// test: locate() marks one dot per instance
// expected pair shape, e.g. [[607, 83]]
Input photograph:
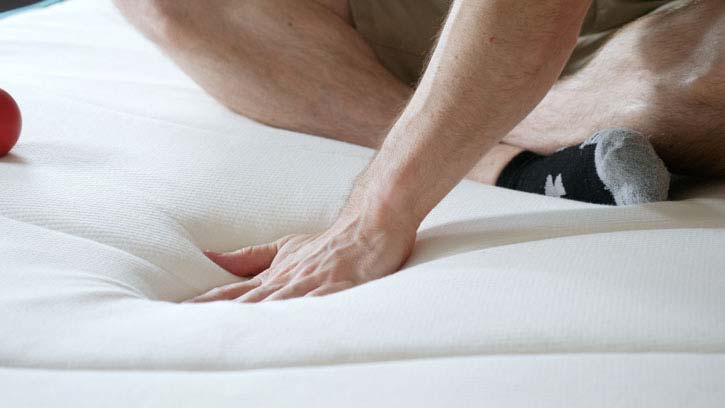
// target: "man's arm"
[[495, 60]]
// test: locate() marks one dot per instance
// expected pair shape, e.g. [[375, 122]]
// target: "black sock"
[[569, 173]]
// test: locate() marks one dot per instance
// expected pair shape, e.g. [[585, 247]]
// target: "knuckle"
[[265, 277]]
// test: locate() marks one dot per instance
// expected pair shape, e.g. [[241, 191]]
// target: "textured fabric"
[[126, 170], [402, 32], [550, 381]]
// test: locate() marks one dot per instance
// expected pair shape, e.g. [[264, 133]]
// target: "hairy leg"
[[663, 75], [294, 64]]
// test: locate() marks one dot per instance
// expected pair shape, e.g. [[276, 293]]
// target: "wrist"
[[380, 209]]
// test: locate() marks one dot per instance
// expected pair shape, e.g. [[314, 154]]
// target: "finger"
[[329, 289], [260, 293], [293, 290], [247, 261], [227, 292]]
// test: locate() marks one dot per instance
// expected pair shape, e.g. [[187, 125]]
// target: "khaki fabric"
[[402, 32]]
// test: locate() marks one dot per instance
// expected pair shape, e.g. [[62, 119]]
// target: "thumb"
[[247, 261]]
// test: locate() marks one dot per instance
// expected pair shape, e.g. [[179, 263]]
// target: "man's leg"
[[294, 64], [662, 75]]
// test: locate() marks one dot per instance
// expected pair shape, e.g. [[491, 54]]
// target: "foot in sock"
[[615, 166]]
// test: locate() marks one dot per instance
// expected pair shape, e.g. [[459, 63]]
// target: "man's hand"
[[348, 254]]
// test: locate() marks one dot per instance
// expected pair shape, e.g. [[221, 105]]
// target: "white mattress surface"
[[126, 171], [545, 381]]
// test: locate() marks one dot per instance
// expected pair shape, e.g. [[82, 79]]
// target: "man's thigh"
[[403, 32], [604, 19]]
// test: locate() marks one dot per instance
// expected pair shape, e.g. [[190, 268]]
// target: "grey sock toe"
[[629, 167]]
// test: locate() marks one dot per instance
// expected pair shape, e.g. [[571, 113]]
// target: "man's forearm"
[[494, 62]]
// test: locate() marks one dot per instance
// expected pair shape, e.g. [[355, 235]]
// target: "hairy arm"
[[495, 60]]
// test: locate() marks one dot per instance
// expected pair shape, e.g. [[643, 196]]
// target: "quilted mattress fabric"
[[126, 170]]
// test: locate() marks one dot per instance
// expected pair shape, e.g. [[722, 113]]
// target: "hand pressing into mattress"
[[461, 109], [353, 251]]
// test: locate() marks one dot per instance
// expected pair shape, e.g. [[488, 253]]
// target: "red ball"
[[10, 123]]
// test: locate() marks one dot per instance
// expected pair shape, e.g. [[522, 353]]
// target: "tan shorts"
[[401, 32]]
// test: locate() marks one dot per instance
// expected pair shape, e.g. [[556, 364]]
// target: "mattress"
[[127, 170]]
